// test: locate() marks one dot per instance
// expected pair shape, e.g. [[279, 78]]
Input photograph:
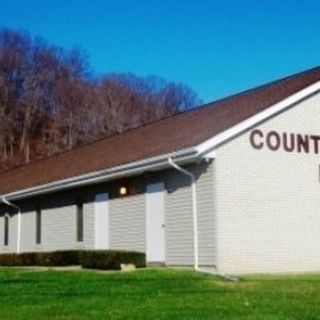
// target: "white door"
[[155, 223], [101, 208]]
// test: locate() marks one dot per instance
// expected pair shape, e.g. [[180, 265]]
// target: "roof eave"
[[133, 168]]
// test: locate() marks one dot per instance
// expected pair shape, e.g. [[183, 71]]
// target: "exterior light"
[[123, 191]]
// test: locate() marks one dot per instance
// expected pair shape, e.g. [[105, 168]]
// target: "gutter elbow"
[[182, 170]]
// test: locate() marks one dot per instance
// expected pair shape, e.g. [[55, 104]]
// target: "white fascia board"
[[154, 163], [206, 148]]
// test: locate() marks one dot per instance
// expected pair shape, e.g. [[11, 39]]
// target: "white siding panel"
[[179, 226], [206, 217], [28, 231], [58, 229], [89, 225], [178, 209], [128, 223]]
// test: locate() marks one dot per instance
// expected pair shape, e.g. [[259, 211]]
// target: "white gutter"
[[154, 163], [194, 211], [5, 201]]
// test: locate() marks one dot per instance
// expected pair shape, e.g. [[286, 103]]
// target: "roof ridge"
[[166, 118]]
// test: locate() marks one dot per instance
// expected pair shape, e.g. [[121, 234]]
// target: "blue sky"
[[216, 47]]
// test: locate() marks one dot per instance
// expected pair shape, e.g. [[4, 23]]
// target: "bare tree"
[[51, 102], [128, 100]]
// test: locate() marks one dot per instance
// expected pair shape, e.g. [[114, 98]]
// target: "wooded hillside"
[[51, 101]]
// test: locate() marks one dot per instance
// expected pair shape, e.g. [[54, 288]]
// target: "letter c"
[[254, 143]]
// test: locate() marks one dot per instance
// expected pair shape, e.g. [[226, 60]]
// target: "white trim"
[[154, 163], [271, 111]]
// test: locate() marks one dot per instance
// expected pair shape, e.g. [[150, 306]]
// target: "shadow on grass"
[[121, 294], [106, 287], [23, 281], [283, 280]]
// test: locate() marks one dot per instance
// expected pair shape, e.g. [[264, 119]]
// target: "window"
[[6, 230], [38, 225], [79, 221]]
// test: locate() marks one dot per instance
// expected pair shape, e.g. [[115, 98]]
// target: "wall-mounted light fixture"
[[123, 191]]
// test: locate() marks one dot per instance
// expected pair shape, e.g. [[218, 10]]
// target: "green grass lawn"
[[154, 294]]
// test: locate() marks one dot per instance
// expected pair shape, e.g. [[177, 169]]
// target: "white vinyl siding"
[[128, 223], [206, 217], [58, 228], [12, 233], [178, 210], [127, 220]]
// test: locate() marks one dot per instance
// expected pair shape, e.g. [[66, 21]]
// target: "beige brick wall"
[[268, 202]]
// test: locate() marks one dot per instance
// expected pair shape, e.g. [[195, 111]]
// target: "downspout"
[[195, 226], [5, 201], [194, 212]]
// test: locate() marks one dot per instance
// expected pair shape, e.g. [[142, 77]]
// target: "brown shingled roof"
[[177, 132]]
